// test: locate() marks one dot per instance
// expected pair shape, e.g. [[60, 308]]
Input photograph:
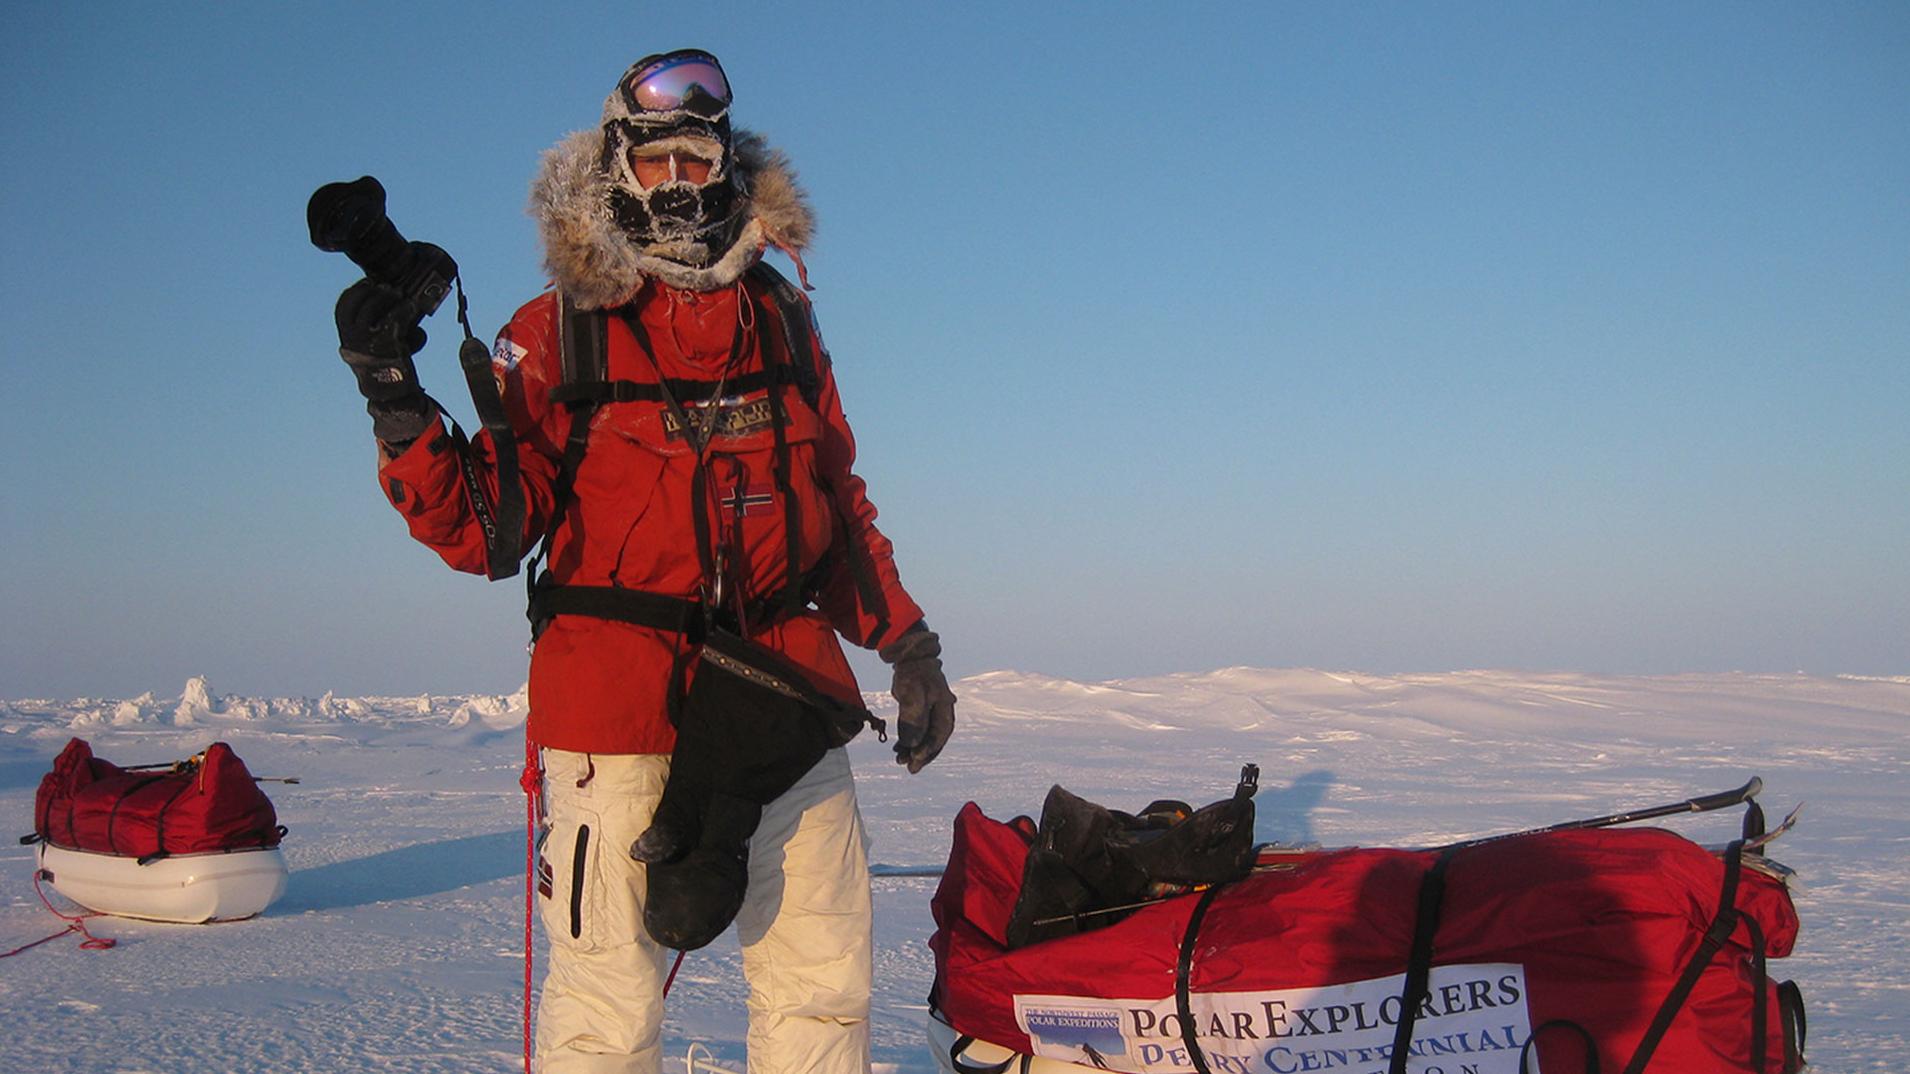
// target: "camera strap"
[[504, 526]]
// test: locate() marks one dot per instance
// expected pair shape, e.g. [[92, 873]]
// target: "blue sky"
[[1376, 336]]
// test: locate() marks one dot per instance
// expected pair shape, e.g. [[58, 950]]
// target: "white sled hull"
[[980, 1055], [189, 888]]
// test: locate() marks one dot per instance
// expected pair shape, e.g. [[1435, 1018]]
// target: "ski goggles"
[[663, 84]]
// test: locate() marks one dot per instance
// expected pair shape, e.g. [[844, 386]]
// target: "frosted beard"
[[677, 220]]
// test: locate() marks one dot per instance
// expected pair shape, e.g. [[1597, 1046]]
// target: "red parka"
[[602, 686]]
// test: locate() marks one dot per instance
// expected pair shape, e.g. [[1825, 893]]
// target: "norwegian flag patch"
[[741, 502]]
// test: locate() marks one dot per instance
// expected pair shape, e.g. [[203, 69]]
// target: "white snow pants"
[[805, 924]]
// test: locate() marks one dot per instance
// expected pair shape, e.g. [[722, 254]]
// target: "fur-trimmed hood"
[[593, 261]]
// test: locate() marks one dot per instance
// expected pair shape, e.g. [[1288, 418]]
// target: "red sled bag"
[[206, 804], [1567, 952]]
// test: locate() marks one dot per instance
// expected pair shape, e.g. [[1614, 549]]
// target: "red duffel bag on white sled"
[[1563, 951], [191, 841]]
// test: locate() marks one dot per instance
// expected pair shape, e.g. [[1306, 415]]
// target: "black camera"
[[350, 218]]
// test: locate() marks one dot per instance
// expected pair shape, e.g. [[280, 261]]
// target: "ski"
[[1789, 822], [881, 870]]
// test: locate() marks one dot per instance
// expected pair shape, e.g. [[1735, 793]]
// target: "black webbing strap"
[[804, 363], [1530, 1050], [699, 441], [1715, 937], [1432, 894], [597, 392], [779, 427], [1790, 1010], [503, 522], [583, 348], [657, 610], [159, 823], [1183, 977], [43, 823], [963, 1066], [1760, 985], [474, 491], [807, 369], [633, 606], [582, 352], [112, 815]]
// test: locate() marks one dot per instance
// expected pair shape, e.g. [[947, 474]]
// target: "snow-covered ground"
[[398, 944]]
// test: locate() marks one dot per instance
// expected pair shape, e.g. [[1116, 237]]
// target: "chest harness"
[[791, 360]]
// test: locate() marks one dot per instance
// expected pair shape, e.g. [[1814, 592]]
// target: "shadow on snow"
[[409, 872]]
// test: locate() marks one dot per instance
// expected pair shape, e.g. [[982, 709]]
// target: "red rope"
[[674, 966], [532, 782], [74, 923]]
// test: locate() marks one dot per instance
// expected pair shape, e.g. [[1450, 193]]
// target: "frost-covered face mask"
[[673, 105]]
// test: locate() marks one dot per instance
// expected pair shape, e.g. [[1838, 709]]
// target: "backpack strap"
[[796, 357], [583, 353], [807, 365]]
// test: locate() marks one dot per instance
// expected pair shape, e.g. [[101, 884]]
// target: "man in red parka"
[[699, 478]]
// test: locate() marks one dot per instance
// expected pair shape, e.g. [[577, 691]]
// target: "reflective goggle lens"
[[664, 85]]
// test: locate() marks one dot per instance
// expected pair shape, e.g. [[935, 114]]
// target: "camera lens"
[[342, 214], [350, 218]]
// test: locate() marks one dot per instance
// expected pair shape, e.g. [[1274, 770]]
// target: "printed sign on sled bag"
[[1474, 1019]]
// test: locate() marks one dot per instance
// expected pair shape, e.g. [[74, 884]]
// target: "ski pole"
[[1701, 804], [1098, 911]]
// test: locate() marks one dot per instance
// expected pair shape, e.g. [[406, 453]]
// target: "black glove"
[[925, 706], [378, 332]]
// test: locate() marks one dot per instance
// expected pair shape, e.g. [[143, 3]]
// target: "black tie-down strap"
[[958, 1062], [1184, 967], [1183, 976], [1717, 934], [1790, 1008], [1530, 1050], [1715, 937], [1432, 895], [1428, 919]]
